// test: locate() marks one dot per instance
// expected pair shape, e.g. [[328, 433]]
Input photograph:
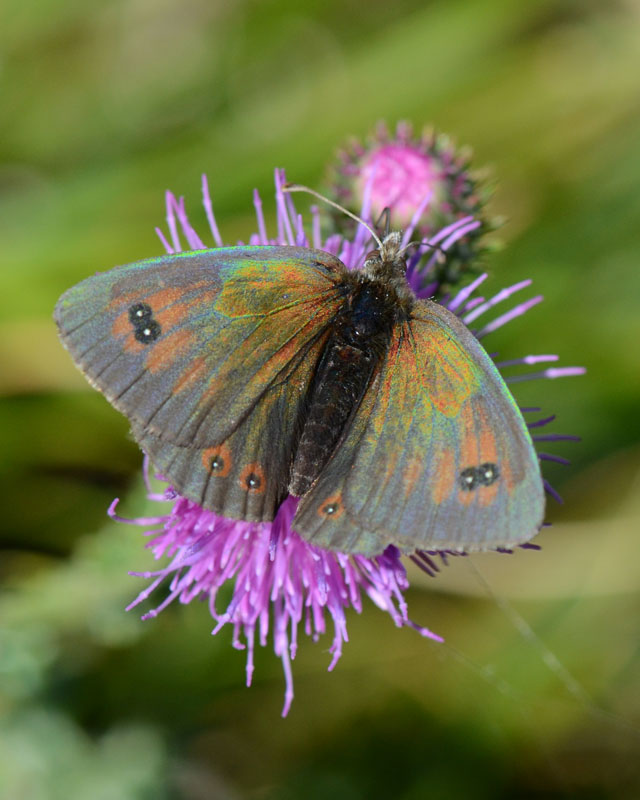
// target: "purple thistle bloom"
[[279, 580], [427, 184]]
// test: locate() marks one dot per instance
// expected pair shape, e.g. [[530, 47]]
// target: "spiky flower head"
[[408, 173], [279, 581]]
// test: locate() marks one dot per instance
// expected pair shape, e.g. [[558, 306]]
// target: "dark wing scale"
[[438, 407]]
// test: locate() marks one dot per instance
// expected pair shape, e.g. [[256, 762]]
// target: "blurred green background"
[[107, 104]]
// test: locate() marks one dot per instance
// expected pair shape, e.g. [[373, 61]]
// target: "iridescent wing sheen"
[[215, 329], [209, 354], [437, 456]]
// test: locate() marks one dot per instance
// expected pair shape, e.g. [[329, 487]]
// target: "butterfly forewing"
[[466, 475], [185, 345]]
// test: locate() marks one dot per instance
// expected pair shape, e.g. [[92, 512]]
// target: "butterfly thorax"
[[388, 266], [357, 340]]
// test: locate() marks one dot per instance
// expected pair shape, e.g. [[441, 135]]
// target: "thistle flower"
[[404, 173], [280, 581]]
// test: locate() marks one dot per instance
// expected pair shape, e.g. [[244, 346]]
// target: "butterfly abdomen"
[[360, 334]]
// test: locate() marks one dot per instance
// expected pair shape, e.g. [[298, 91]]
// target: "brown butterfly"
[[251, 373]]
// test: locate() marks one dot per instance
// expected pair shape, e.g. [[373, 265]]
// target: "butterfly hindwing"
[[245, 476], [184, 345], [466, 475]]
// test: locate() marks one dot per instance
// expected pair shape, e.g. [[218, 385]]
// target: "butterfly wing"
[[222, 325], [246, 475], [200, 347], [437, 457]]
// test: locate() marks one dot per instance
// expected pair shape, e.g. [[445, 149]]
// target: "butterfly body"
[[251, 373], [359, 336]]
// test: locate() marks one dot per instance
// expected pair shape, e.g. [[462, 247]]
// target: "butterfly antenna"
[[384, 221], [296, 187], [427, 243]]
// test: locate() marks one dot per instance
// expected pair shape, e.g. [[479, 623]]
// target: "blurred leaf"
[[44, 756]]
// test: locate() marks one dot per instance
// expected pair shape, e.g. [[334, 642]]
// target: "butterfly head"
[[388, 265]]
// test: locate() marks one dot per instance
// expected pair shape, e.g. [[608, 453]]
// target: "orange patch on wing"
[[132, 346], [443, 476], [411, 473], [488, 454], [332, 507], [121, 325], [175, 313], [197, 371], [252, 479], [172, 295], [487, 436], [217, 460], [167, 305], [172, 315], [469, 444], [488, 448], [487, 494], [466, 498], [163, 354], [158, 299]]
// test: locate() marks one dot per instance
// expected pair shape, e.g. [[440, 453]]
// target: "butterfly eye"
[[484, 475], [468, 479], [147, 331], [140, 312], [488, 474], [332, 507], [145, 328], [217, 460], [252, 479]]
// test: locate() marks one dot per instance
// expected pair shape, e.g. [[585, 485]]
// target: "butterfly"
[[251, 373]]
